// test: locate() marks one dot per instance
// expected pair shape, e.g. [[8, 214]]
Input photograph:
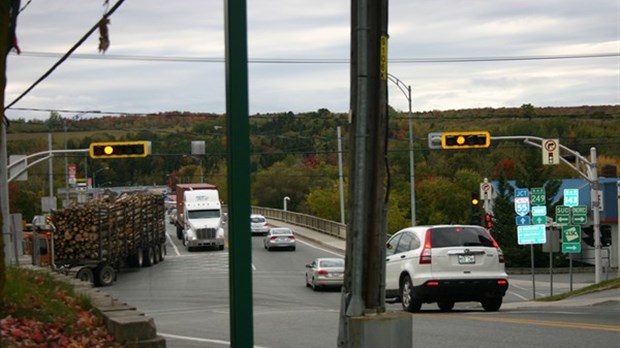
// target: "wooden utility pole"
[[363, 321]]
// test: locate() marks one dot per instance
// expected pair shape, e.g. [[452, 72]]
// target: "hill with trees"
[[296, 155]]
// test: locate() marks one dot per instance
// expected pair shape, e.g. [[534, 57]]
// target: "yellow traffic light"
[[475, 199], [465, 140], [119, 149]]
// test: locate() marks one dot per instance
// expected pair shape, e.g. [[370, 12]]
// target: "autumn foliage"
[[40, 311]]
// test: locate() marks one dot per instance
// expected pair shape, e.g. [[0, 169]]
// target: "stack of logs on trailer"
[[105, 234]]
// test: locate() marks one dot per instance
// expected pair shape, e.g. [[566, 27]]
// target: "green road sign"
[[571, 234], [580, 214], [539, 220], [562, 214], [531, 234], [571, 197], [538, 196], [571, 248]]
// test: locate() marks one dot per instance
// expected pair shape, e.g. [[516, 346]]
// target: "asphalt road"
[[187, 295]]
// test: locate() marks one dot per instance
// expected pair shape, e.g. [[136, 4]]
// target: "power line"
[[65, 55], [318, 60]]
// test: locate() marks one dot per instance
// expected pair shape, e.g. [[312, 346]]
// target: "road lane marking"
[[198, 339], [519, 296], [550, 323], [316, 247], [176, 250]]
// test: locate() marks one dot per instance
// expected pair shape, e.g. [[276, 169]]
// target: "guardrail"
[[329, 227]]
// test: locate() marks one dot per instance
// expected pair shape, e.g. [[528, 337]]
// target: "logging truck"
[[96, 239], [200, 222]]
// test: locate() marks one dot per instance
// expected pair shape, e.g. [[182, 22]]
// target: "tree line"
[[296, 155]]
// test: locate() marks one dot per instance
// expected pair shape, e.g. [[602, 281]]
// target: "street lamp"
[[284, 200], [406, 89]]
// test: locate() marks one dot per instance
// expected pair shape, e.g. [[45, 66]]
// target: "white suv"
[[445, 264]]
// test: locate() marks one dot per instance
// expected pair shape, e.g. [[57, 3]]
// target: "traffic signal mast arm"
[[581, 164], [46, 155]]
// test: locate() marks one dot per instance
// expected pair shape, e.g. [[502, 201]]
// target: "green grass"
[[604, 285], [42, 311], [31, 293]]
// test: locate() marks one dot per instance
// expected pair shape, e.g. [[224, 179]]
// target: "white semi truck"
[[200, 219]]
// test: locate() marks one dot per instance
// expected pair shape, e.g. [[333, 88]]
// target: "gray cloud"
[[318, 29]]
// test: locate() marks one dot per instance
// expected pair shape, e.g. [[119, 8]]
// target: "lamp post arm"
[[406, 90]]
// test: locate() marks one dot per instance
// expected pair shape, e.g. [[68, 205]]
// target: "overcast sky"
[[169, 55]]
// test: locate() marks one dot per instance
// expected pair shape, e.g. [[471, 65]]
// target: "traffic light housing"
[[605, 235], [119, 149], [475, 208], [587, 235], [475, 200], [465, 140], [488, 221]]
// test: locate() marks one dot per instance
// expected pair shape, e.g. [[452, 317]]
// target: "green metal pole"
[[238, 150]]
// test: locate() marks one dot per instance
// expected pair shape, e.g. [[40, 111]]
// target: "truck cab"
[[202, 219]]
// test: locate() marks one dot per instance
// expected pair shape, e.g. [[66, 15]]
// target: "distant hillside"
[[174, 120]]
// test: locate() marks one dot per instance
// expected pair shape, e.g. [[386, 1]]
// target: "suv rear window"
[[452, 236]]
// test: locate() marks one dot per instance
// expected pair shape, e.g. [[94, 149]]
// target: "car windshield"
[[281, 231], [257, 219], [460, 236], [331, 263], [203, 214]]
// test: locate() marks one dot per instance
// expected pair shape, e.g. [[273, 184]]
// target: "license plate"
[[467, 259]]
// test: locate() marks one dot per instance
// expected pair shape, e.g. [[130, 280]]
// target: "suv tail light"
[[426, 255], [500, 253], [322, 272]]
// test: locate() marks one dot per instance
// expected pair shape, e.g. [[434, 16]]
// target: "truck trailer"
[[100, 237]]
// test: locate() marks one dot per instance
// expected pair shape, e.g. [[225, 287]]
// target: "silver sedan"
[[325, 272], [279, 238]]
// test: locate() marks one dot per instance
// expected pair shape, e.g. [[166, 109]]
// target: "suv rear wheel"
[[406, 296], [445, 305], [492, 304]]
